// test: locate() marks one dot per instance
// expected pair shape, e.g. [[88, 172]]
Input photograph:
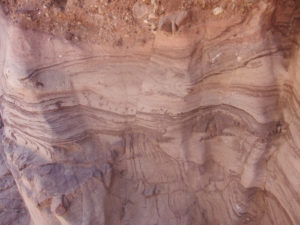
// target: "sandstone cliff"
[[150, 112]]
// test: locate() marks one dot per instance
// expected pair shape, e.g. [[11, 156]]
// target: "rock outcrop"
[[196, 123]]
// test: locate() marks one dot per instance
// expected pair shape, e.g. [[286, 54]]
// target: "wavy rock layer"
[[191, 128]]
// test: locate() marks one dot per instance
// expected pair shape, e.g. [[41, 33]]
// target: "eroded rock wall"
[[187, 128]]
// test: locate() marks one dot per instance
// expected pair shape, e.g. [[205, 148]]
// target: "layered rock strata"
[[199, 127]]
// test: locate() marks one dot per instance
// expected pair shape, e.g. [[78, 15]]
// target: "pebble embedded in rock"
[[218, 10], [141, 10]]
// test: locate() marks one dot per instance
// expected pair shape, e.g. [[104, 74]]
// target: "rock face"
[[197, 125], [12, 207]]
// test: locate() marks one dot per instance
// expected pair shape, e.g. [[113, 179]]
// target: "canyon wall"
[[191, 120]]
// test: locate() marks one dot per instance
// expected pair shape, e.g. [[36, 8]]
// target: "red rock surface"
[[150, 112]]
